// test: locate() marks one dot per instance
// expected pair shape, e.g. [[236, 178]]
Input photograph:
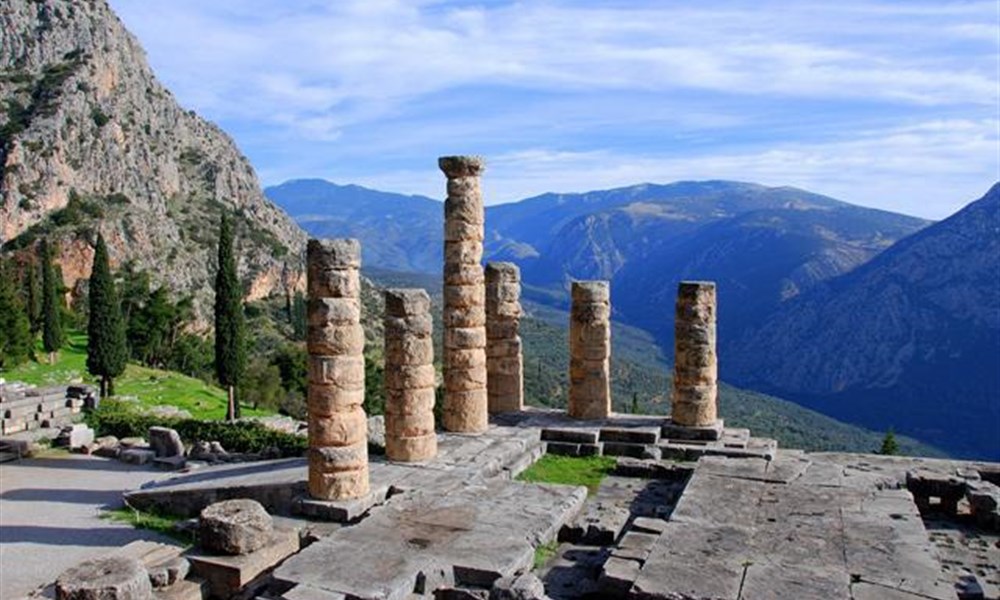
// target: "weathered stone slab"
[[108, 578], [676, 431], [618, 575], [340, 511], [165, 442], [136, 456], [629, 435], [641, 451], [226, 575], [571, 435], [234, 527]]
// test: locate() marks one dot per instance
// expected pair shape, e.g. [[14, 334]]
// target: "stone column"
[[338, 428], [504, 364], [464, 360], [695, 362], [409, 376], [590, 350]]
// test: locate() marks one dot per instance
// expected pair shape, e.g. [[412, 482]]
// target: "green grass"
[[164, 524], [586, 471], [151, 387], [544, 553]]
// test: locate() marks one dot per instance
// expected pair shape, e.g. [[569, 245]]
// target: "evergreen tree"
[[52, 331], [33, 296], [15, 330], [230, 343], [889, 445], [298, 317], [107, 350]]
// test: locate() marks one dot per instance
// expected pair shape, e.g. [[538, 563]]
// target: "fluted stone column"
[[464, 360], [590, 350], [338, 428], [504, 363], [695, 362], [409, 376]]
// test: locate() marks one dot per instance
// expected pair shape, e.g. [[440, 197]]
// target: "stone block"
[[109, 578], [649, 525], [526, 586], [165, 442], [227, 575], [618, 575], [234, 527], [638, 541], [641, 451], [136, 456], [339, 511], [630, 435], [673, 431], [571, 435], [170, 463]]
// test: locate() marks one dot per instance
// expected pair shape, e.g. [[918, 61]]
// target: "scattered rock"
[[217, 449], [165, 442], [133, 442], [109, 578], [136, 456], [75, 436], [518, 587], [234, 526], [376, 432]]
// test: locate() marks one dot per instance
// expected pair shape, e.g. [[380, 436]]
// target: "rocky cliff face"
[[90, 140], [909, 340]]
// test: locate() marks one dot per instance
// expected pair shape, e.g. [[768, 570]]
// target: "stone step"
[[573, 449], [52, 404], [187, 589], [630, 435], [735, 438], [643, 451], [46, 393], [570, 435]]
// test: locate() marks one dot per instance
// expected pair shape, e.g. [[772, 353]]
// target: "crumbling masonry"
[[695, 362], [464, 360], [409, 376], [590, 350], [504, 362], [338, 428]]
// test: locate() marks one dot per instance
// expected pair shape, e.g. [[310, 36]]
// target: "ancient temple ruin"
[[338, 427], [464, 360], [409, 376], [504, 360], [590, 350]]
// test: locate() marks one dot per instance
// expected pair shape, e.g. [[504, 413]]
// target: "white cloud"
[[574, 95]]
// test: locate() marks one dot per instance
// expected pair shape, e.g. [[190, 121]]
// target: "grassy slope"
[[150, 387]]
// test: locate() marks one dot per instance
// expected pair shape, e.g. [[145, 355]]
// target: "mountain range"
[[766, 247]]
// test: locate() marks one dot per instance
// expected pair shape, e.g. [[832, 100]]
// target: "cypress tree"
[[889, 445], [15, 330], [33, 297], [52, 331], [230, 345], [107, 350]]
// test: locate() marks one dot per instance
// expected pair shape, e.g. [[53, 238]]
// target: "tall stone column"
[[338, 428], [465, 397], [409, 376], [504, 363], [695, 362], [590, 350]]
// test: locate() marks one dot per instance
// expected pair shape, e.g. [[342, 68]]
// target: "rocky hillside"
[[90, 140], [910, 340]]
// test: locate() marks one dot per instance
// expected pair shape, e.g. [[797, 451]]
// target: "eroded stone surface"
[[693, 403], [410, 377], [338, 449], [504, 362], [464, 349], [108, 578], [590, 350], [234, 526]]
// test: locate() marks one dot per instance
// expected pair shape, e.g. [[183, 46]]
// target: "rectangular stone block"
[[340, 429], [618, 575], [584, 436], [643, 451], [343, 371], [227, 575], [647, 435]]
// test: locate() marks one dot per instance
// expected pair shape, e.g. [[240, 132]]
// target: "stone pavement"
[[49, 516]]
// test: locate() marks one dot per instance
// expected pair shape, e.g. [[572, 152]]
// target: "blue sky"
[[891, 104]]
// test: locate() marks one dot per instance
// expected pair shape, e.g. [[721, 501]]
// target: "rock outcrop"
[[91, 141]]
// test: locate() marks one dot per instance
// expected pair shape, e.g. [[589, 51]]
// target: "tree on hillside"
[[889, 445], [52, 330], [107, 350], [15, 330], [230, 336], [33, 296]]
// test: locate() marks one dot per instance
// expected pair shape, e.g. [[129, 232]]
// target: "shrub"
[[121, 419]]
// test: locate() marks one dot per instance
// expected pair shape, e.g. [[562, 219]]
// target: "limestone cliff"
[[90, 140]]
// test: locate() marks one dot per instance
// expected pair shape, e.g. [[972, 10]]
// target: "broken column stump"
[[504, 361], [108, 578], [464, 360], [590, 350], [338, 434], [409, 376], [234, 526]]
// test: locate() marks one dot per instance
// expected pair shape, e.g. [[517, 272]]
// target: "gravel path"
[[49, 516]]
